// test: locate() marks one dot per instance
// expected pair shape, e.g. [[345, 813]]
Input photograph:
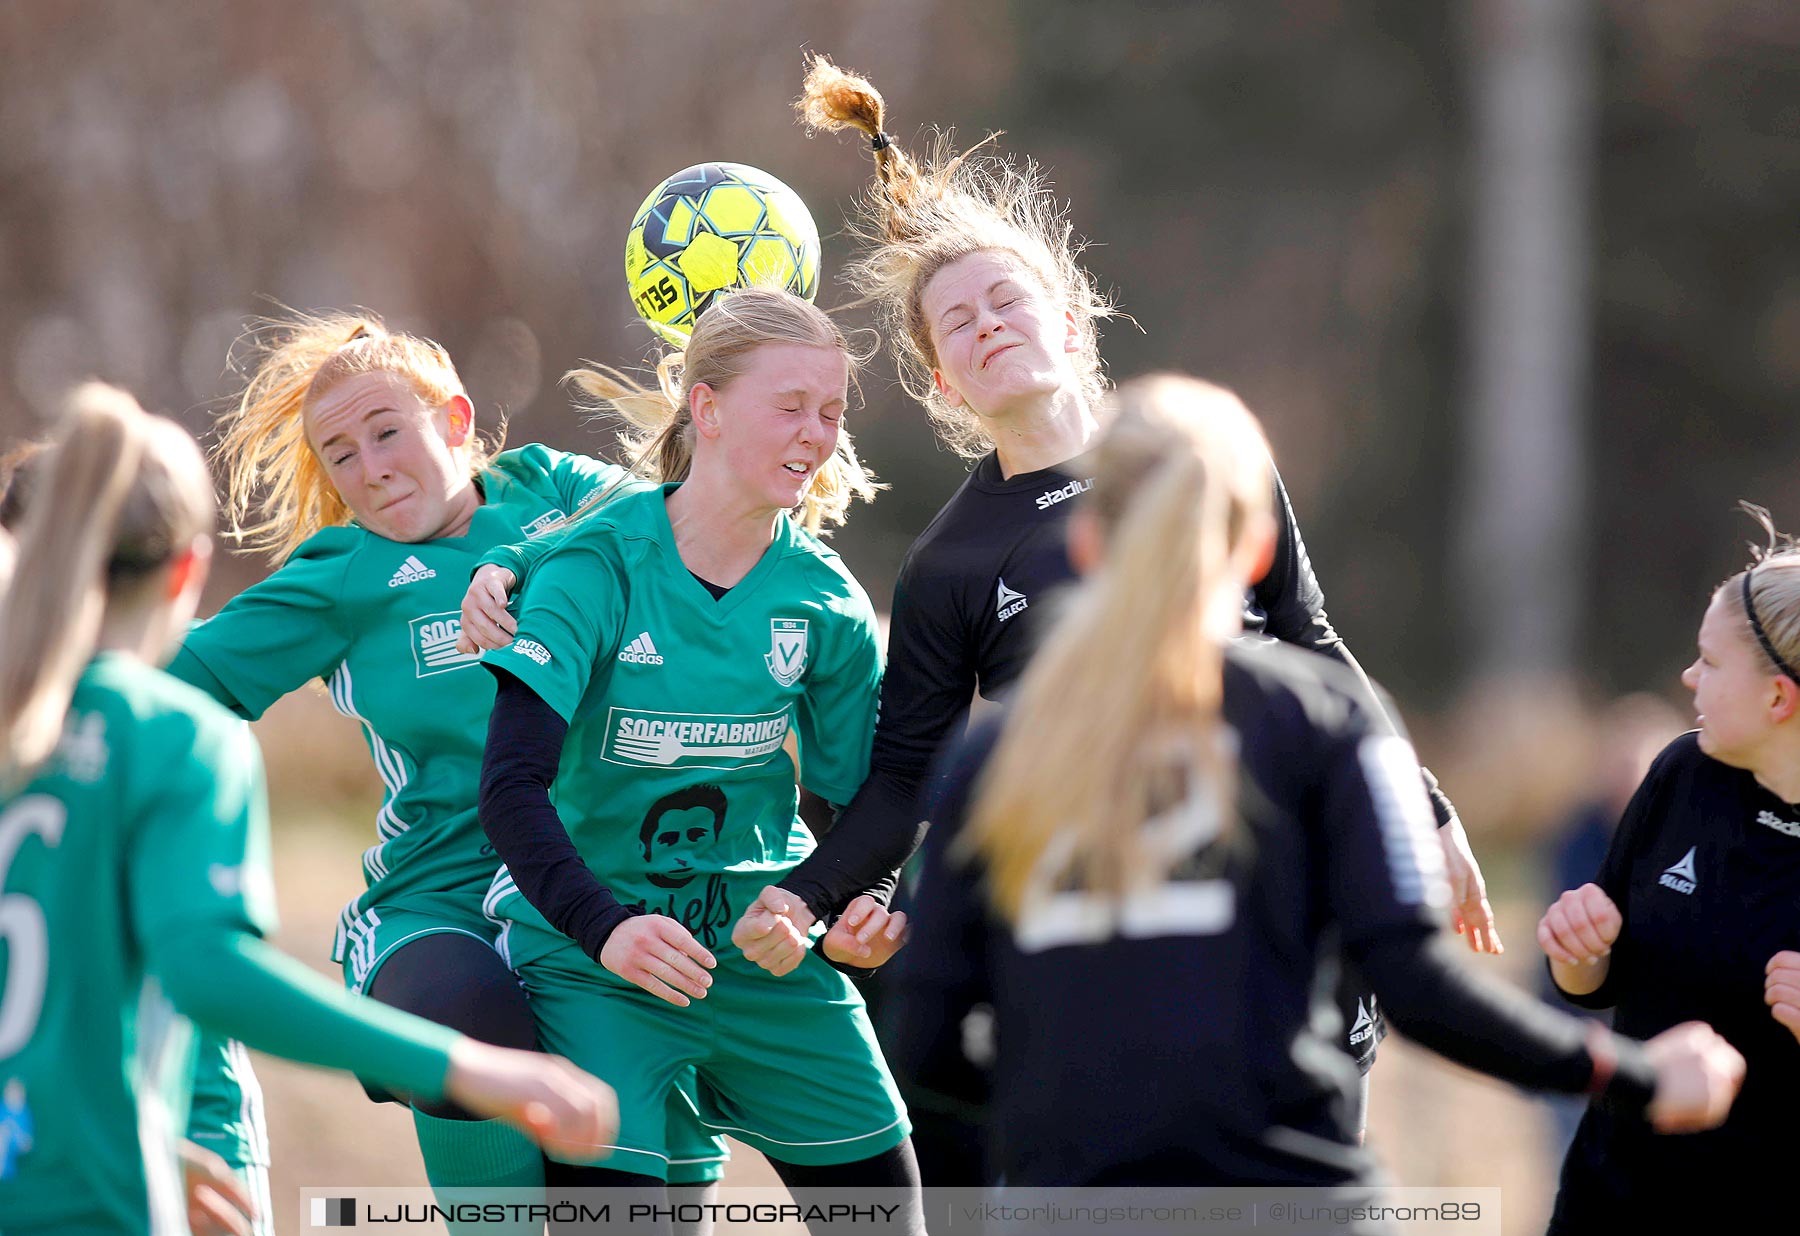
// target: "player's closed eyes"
[[347, 456]]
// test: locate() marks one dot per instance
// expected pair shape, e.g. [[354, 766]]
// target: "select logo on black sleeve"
[[1680, 876], [1008, 602]]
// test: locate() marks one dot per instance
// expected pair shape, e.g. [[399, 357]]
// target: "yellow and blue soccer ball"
[[712, 227]]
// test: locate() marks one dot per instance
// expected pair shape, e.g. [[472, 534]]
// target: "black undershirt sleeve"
[[925, 696], [820, 816], [1289, 595], [1490, 1027], [524, 746], [865, 849], [1373, 842]]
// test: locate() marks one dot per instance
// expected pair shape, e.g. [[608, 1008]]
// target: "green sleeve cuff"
[[237, 985], [512, 557]]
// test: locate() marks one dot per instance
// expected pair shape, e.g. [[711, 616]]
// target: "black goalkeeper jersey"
[[1187, 1034], [971, 596], [1705, 870]]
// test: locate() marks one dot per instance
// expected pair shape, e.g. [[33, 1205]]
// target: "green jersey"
[[378, 621], [674, 782], [146, 828]]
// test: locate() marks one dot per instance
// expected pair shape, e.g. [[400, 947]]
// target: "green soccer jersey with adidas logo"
[[378, 621], [674, 783], [145, 829]]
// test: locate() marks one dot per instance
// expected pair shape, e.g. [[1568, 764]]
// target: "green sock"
[[464, 1158]]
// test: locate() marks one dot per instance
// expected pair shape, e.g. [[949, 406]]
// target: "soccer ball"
[[711, 227]]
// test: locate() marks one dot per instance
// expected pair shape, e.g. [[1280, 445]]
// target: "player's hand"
[[1580, 926], [772, 932], [571, 1114], [1469, 908], [218, 1204], [1781, 989], [866, 935], [661, 956], [1697, 1076], [485, 623]]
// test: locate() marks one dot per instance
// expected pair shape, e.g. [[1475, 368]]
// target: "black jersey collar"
[[987, 476]]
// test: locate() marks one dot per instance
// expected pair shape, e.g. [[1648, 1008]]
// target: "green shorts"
[[788, 1065], [366, 941]]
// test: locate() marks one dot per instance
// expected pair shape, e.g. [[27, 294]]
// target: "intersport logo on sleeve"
[[643, 739]]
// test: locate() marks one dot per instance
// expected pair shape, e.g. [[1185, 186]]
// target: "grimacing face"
[[777, 422], [998, 335], [400, 465]]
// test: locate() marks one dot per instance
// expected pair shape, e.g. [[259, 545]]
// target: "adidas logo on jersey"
[[411, 572], [1007, 602], [641, 651], [1364, 1025], [1074, 489], [1778, 824], [1680, 876]]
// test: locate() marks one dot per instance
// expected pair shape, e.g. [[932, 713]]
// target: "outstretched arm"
[[1289, 604], [925, 697]]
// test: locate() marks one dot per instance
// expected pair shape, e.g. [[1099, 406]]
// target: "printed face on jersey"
[[775, 424], [400, 465], [677, 827], [999, 335], [1732, 682]]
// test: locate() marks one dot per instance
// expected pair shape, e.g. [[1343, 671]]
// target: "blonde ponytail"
[[120, 495], [1116, 723], [918, 217]]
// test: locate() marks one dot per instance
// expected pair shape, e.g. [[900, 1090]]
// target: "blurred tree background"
[[1288, 198], [1280, 195]]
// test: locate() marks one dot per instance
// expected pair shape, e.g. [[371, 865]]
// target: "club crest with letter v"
[[787, 649]]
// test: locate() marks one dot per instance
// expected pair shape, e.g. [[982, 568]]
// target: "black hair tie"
[[1761, 637], [880, 141]]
